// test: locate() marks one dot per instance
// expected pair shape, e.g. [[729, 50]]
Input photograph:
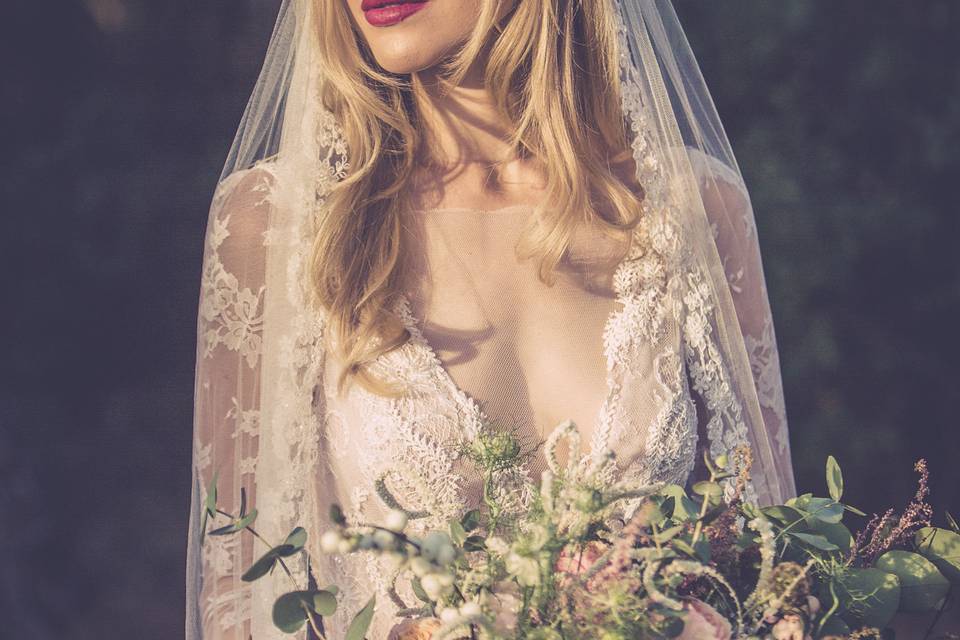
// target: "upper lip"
[[375, 4]]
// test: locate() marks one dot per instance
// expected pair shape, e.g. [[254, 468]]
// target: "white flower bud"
[[471, 609], [420, 566], [431, 586], [497, 545], [396, 520], [330, 541], [448, 615], [445, 579], [345, 545]]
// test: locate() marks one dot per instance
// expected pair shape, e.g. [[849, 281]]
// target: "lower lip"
[[386, 16]]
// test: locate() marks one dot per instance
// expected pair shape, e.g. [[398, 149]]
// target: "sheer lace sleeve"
[[730, 217], [227, 402]]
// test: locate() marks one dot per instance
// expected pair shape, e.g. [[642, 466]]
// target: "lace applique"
[[233, 314]]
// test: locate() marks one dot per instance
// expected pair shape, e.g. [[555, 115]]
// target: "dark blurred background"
[[116, 117]]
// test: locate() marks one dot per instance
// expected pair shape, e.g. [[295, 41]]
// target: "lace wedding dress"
[[632, 353], [656, 354]]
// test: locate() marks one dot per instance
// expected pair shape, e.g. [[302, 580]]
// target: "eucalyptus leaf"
[[224, 530], [703, 551], [336, 515], [854, 510], [361, 622], [682, 508], [815, 540], [834, 479], [210, 504], [246, 521], [922, 586], [261, 567], [289, 611], [782, 514], [457, 532], [668, 534], [325, 603], [474, 543], [684, 546], [709, 489], [419, 592], [942, 548], [835, 532], [297, 538], [285, 550], [870, 596], [824, 509], [470, 520]]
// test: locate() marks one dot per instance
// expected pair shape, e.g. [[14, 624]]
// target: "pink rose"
[[703, 622], [576, 560], [415, 629]]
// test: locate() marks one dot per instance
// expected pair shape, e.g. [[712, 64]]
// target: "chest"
[[531, 352]]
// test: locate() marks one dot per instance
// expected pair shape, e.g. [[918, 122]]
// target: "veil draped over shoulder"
[[260, 352]]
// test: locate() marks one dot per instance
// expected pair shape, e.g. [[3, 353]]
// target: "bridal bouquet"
[[589, 559]]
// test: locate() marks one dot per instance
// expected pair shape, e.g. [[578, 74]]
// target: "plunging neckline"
[[464, 399]]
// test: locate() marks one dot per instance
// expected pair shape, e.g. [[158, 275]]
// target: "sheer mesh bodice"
[[529, 354]]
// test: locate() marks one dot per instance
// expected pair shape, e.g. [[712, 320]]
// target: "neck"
[[462, 124]]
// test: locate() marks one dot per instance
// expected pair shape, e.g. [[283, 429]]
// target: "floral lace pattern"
[[307, 448]]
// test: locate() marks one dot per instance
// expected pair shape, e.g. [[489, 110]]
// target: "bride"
[[441, 217]]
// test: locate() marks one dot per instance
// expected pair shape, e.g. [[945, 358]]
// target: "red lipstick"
[[383, 13]]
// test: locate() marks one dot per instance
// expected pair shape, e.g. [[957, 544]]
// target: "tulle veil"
[[257, 361]]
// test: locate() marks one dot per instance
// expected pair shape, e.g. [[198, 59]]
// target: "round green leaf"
[[942, 547], [289, 613], [824, 509], [683, 508], [871, 596], [835, 532], [922, 587], [324, 603], [471, 520], [782, 514]]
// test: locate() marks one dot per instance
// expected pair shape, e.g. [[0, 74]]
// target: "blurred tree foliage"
[[117, 114], [845, 117]]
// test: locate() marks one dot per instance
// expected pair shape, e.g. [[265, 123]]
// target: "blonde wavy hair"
[[551, 67]]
